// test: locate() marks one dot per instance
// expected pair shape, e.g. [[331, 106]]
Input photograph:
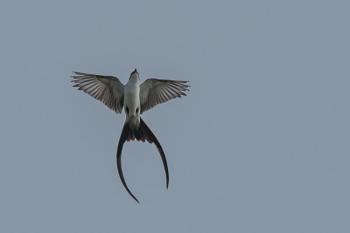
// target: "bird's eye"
[[127, 110], [137, 110]]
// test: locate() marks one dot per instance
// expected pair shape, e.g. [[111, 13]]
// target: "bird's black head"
[[134, 74]]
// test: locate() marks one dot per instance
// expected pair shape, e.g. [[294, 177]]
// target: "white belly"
[[132, 103]]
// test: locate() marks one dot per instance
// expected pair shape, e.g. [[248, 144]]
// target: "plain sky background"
[[261, 143]]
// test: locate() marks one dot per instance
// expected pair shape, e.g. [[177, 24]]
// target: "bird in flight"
[[135, 98]]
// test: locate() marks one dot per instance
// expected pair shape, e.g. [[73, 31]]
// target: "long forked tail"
[[143, 133]]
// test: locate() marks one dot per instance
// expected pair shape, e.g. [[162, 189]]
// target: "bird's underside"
[[117, 97]]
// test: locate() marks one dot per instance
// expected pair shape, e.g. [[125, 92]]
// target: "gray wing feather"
[[157, 91], [107, 89]]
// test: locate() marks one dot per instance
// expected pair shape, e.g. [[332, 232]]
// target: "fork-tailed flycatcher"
[[135, 98]]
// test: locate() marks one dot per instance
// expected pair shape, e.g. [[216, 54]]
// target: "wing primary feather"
[[156, 91], [107, 89]]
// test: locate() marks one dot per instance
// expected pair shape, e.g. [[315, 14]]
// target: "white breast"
[[132, 101]]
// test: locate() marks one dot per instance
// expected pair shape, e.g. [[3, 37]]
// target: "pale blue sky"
[[261, 144]]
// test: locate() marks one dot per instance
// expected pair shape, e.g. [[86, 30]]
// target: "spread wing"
[[157, 91], [107, 89]]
